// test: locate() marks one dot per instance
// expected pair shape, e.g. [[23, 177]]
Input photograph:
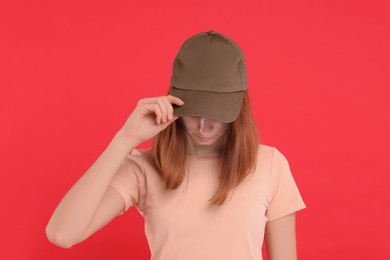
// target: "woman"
[[207, 189]]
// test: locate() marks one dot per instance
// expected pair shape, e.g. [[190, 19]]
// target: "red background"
[[318, 74]]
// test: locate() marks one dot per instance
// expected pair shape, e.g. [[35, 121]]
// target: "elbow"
[[57, 239]]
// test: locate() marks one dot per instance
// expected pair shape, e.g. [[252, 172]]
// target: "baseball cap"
[[209, 75]]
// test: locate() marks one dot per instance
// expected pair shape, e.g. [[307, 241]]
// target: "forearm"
[[77, 208], [280, 238]]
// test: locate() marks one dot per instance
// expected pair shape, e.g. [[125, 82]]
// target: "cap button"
[[212, 32]]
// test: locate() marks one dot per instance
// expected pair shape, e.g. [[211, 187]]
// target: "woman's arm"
[[280, 238], [76, 210], [91, 203]]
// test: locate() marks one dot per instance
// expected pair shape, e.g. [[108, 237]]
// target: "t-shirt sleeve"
[[286, 197], [129, 181]]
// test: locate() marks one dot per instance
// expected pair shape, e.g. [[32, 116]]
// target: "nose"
[[205, 126]]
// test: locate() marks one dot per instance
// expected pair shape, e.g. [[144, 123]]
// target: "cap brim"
[[223, 107]]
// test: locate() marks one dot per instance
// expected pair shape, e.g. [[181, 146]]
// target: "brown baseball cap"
[[209, 75]]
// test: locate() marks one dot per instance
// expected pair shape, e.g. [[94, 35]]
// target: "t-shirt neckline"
[[210, 156]]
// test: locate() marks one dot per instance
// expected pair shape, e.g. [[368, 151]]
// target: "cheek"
[[189, 125], [222, 128]]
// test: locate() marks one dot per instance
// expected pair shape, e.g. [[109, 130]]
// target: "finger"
[[169, 108], [148, 108], [164, 109], [148, 100], [164, 125], [157, 111], [175, 100], [148, 105], [172, 99]]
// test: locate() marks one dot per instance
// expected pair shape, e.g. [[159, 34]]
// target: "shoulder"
[[270, 153], [271, 160], [265, 153], [141, 157]]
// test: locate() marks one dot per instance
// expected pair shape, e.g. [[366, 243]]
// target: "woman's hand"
[[151, 116]]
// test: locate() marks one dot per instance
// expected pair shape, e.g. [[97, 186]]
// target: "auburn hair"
[[240, 146]]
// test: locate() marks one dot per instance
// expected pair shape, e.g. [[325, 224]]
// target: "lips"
[[203, 138]]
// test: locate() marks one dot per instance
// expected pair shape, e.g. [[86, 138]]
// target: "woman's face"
[[204, 131]]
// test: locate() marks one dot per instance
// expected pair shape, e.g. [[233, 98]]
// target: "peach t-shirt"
[[180, 225]]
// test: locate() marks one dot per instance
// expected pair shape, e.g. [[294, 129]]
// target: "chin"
[[206, 142]]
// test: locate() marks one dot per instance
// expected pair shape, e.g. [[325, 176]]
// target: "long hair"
[[240, 146]]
